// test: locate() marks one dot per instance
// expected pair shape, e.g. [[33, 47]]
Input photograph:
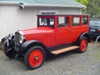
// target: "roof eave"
[[50, 5], [3, 3]]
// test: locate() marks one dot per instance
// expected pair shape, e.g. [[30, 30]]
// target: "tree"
[[85, 2], [92, 7]]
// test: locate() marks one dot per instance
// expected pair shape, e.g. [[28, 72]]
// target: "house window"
[[48, 12]]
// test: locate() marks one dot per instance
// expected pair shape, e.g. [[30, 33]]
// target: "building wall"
[[12, 18]]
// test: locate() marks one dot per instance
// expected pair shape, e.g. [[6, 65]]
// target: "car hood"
[[39, 30]]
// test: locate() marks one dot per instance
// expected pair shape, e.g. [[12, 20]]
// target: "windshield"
[[94, 23], [46, 22]]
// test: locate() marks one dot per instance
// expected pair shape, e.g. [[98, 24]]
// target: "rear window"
[[84, 21]]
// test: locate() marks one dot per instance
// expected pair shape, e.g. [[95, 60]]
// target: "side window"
[[43, 21], [46, 22], [84, 21], [63, 21], [76, 21], [51, 21]]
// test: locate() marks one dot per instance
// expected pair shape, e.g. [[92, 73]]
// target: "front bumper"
[[15, 45]]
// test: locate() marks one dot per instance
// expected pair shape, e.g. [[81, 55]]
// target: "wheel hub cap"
[[36, 58]]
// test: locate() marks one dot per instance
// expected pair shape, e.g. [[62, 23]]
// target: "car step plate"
[[64, 50]]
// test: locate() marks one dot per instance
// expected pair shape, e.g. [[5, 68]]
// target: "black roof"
[[63, 15]]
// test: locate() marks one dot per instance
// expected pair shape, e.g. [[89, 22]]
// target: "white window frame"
[[48, 11]]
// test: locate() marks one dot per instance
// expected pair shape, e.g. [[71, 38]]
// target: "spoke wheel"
[[83, 45], [34, 57]]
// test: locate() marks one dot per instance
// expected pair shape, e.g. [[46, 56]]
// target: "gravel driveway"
[[70, 63]]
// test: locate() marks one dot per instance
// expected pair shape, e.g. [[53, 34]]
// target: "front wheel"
[[34, 57], [83, 45]]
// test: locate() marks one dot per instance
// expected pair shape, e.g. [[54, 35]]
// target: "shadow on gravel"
[[21, 65], [48, 58], [53, 57], [94, 39], [20, 61]]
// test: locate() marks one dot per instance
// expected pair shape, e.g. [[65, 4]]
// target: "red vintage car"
[[54, 34]]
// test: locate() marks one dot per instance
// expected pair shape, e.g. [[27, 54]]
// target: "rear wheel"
[[83, 45], [34, 57]]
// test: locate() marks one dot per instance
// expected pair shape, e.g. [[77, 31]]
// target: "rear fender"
[[31, 43], [84, 35]]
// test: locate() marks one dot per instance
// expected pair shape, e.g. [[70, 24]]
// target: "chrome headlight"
[[21, 40], [19, 37]]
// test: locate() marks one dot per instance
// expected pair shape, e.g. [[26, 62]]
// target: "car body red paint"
[[53, 35], [57, 35]]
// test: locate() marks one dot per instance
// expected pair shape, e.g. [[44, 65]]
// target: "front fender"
[[31, 43], [7, 38]]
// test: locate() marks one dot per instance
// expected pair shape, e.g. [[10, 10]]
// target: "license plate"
[[92, 30]]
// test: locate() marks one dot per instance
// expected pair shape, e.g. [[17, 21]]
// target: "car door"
[[76, 28], [62, 31]]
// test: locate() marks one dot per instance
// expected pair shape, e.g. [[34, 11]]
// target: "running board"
[[64, 50]]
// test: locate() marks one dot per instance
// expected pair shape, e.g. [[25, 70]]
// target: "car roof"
[[95, 20], [63, 15]]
